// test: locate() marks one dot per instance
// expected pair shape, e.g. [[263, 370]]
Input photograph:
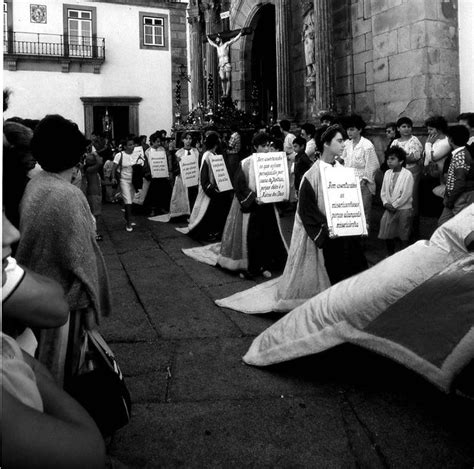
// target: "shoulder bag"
[[99, 385]]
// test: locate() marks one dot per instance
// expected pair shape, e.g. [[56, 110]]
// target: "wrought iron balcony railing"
[[53, 45]]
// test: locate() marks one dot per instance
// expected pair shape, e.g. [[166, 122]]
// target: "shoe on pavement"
[[129, 228], [267, 274]]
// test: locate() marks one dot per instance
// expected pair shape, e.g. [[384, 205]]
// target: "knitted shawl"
[[58, 240]]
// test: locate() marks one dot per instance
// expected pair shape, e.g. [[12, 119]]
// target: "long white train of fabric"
[[388, 309]]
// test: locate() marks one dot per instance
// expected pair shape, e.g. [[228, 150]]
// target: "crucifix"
[[222, 42]]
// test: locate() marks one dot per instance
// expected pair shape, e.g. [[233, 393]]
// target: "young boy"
[[302, 161], [460, 178]]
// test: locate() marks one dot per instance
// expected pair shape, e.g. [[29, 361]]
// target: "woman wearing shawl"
[[58, 240], [210, 211]]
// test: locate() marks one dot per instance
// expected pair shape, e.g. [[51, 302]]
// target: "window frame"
[[164, 18], [8, 36], [93, 13]]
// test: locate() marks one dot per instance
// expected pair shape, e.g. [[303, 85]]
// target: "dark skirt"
[[266, 250], [159, 194]]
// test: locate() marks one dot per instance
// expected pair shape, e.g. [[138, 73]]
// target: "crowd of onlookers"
[[54, 280]]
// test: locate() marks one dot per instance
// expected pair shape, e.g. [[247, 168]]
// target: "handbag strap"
[[101, 345]]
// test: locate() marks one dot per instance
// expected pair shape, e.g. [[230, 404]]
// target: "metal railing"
[[53, 45]]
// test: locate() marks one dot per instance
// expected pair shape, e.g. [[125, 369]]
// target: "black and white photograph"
[[238, 234]]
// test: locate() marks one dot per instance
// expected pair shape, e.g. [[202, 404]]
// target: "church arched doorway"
[[263, 63]]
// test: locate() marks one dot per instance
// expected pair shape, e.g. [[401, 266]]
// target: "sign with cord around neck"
[[158, 163], [343, 201]]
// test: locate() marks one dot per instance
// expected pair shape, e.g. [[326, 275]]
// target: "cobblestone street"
[[195, 404]]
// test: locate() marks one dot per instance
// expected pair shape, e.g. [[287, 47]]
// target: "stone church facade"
[[379, 58]]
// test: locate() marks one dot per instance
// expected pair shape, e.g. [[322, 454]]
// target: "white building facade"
[[106, 65]]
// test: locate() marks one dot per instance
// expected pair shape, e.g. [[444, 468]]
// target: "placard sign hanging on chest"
[[343, 201], [271, 176], [158, 163], [221, 175], [189, 168]]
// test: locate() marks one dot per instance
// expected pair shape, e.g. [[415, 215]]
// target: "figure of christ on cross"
[[225, 68]]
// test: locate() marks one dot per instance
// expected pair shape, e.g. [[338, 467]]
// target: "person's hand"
[[331, 233], [390, 207], [259, 201], [432, 138]]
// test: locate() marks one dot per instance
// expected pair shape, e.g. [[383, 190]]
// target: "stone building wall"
[[396, 57]]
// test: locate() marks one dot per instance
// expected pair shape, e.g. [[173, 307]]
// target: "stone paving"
[[195, 404]]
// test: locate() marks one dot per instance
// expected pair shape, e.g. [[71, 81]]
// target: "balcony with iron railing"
[[57, 47]]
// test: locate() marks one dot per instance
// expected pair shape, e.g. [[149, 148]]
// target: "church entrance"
[[263, 64]]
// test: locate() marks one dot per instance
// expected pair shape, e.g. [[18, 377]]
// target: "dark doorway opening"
[[264, 63], [118, 118]]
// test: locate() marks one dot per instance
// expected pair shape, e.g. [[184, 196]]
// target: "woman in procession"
[[343, 256], [123, 168], [252, 241], [210, 211], [183, 198], [159, 192]]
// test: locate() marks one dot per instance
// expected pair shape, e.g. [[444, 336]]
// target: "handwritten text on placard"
[[189, 170], [271, 175], [158, 163], [219, 169], [343, 201]]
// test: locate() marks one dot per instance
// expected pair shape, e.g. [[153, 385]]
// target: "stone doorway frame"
[[132, 102]]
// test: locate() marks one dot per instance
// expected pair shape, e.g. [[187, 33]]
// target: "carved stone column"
[[196, 56], [324, 55], [211, 53], [282, 58]]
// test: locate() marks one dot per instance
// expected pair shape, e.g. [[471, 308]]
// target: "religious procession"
[[238, 234]]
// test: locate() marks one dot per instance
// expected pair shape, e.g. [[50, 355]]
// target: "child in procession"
[[397, 199]]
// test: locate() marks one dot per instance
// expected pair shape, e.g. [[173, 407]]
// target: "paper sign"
[[343, 201], [271, 176], [189, 170], [221, 175], [158, 163]]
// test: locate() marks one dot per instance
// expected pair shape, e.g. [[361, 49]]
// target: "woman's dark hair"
[[277, 143], [459, 134], [354, 121], [468, 117], [329, 134], [155, 136], [437, 122], [328, 117], [276, 132], [212, 140], [57, 143], [185, 134], [285, 125], [404, 120], [397, 152], [260, 138], [309, 128]]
